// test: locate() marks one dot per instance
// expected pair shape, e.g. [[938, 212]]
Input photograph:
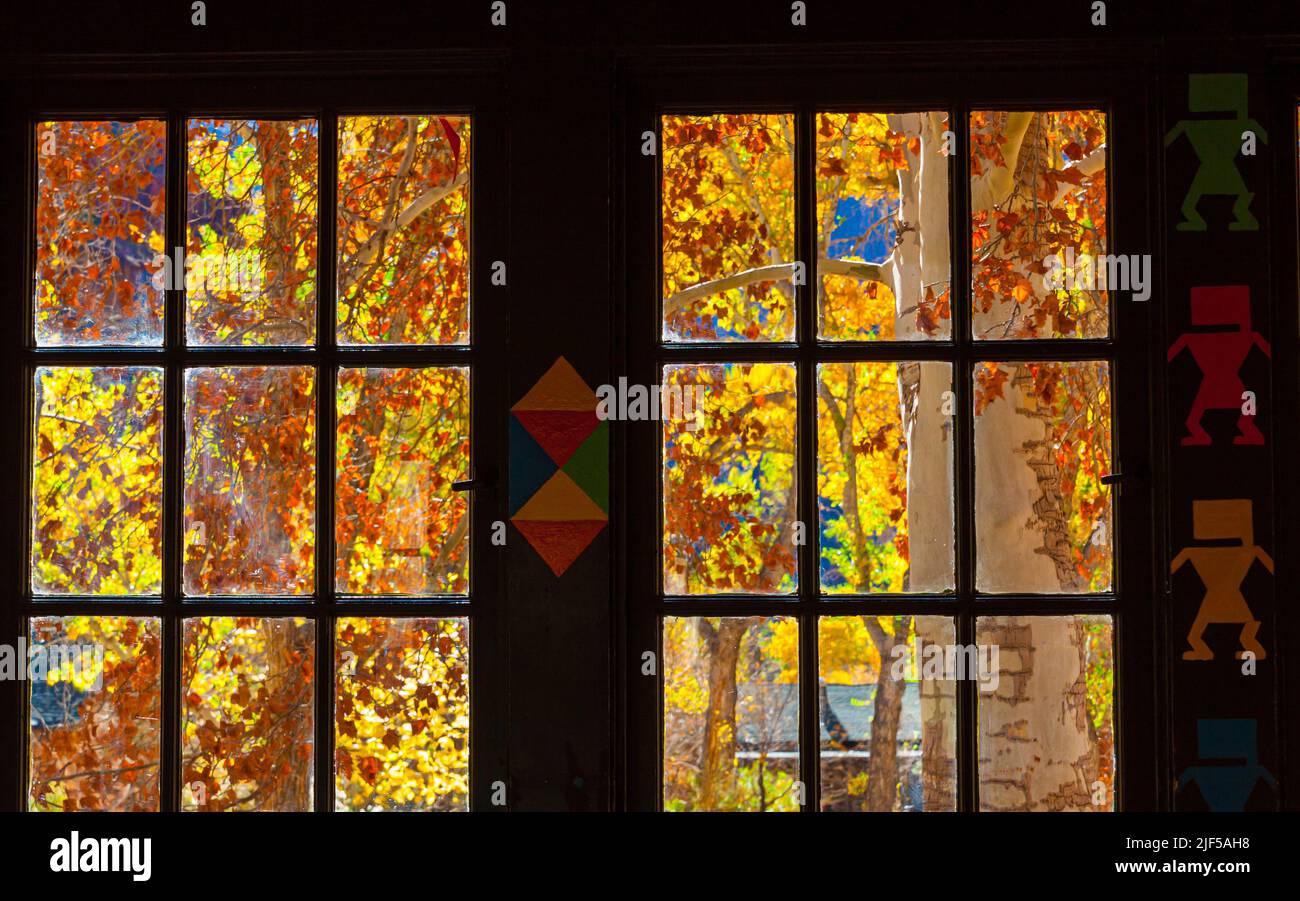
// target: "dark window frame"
[[893, 80], [465, 84]]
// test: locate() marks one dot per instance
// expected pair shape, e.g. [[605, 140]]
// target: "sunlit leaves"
[[403, 229], [882, 702], [97, 481], [95, 724], [731, 715], [250, 480], [100, 206], [728, 211], [862, 477], [251, 231], [1038, 191], [1064, 462], [863, 161], [403, 439], [401, 714], [247, 696], [729, 485]]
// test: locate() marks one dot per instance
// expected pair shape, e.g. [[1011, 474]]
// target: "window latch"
[[476, 483]]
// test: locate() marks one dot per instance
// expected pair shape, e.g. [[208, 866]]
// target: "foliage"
[[100, 212], [729, 485], [98, 749], [249, 460], [402, 720]]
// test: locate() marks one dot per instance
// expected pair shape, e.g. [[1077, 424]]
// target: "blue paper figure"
[[1226, 786]]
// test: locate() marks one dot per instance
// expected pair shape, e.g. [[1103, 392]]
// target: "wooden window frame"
[[395, 83], [891, 81]]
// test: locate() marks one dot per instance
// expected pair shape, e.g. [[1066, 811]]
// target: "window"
[[253, 402], [886, 570]]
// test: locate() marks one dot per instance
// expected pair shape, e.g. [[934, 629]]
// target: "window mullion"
[[326, 384], [806, 458], [964, 458], [170, 766]]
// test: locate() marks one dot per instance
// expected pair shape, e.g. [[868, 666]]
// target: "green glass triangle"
[[589, 466]]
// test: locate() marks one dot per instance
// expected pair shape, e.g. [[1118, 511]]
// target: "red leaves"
[[990, 381], [369, 769], [453, 139], [832, 167]]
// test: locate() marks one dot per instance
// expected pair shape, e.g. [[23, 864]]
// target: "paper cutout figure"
[[559, 467], [1220, 355], [1217, 142], [1222, 570], [1226, 786]]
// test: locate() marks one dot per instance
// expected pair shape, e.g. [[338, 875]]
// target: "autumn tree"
[[252, 212], [884, 450]]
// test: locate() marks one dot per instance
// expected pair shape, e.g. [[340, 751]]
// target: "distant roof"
[[54, 705], [768, 714]]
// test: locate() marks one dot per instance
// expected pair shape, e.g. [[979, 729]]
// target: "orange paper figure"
[[1222, 570]]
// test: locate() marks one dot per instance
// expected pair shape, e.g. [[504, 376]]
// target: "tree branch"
[[876, 272]]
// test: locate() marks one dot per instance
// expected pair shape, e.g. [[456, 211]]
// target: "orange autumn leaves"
[[729, 485], [400, 528], [250, 445], [252, 206], [97, 481], [98, 750], [402, 714], [1047, 200], [403, 230], [100, 208]]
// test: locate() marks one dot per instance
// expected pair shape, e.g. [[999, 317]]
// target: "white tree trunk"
[[1035, 750]]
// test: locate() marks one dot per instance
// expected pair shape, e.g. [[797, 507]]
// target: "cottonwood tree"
[[1038, 189]]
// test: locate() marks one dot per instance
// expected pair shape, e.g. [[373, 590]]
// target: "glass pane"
[[250, 480], [731, 713], [403, 229], [401, 701], [97, 481], [1046, 725], [728, 228], [1043, 519], [247, 712], [879, 280], [403, 439], [884, 476], [730, 499], [250, 235], [95, 695], [1038, 225], [100, 224], [888, 713]]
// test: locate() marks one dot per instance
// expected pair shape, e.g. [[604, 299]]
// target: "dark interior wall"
[[561, 69]]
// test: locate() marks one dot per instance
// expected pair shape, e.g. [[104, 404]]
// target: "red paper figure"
[[1220, 354]]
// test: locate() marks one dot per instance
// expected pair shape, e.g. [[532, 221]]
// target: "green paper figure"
[[1217, 142]]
